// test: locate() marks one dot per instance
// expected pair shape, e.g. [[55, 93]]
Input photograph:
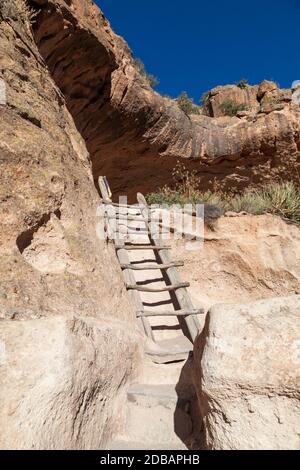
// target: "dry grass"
[[282, 199], [19, 9]]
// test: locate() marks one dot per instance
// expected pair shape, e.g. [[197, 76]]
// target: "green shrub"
[[230, 108], [204, 98], [187, 104], [140, 67]]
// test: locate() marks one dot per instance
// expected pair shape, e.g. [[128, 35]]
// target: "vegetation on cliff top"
[[187, 104], [140, 67]]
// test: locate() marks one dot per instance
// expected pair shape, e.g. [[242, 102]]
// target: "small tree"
[[140, 67], [187, 104]]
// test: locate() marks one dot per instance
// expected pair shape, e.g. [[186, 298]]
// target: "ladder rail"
[[181, 294], [142, 214]]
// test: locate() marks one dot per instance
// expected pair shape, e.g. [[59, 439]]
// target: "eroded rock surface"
[[62, 383], [73, 100], [247, 258], [53, 267], [247, 375]]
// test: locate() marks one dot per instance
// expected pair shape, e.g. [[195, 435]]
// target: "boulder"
[[62, 383], [275, 100], [247, 375], [264, 87], [219, 96]]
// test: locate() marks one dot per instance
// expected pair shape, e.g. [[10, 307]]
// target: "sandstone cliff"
[[76, 108], [133, 134]]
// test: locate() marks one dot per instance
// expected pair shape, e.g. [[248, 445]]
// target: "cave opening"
[[81, 66]]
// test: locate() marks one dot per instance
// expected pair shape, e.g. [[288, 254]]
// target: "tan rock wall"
[[58, 386], [247, 375], [133, 134]]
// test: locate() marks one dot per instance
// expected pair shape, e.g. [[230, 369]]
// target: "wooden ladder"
[[167, 350]]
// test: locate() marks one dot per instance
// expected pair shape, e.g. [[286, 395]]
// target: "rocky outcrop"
[[133, 134], [73, 106], [244, 97], [58, 305], [296, 92], [247, 375]]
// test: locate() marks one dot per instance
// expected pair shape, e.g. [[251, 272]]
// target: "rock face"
[[222, 95], [133, 134], [296, 92], [246, 100], [58, 280], [247, 374], [62, 383], [247, 257]]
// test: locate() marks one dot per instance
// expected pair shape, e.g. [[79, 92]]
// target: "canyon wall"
[[134, 135]]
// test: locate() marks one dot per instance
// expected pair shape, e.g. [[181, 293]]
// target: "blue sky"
[[195, 45]]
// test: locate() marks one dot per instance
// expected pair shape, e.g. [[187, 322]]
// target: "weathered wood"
[[129, 278], [147, 267], [104, 189], [115, 204], [182, 295], [134, 231], [176, 313], [128, 275], [142, 247], [122, 212], [129, 218], [157, 289]]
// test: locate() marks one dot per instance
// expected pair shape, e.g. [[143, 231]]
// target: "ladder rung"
[[107, 202], [146, 267], [122, 213], [158, 289], [142, 247], [132, 231], [129, 217], [177, 313]]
